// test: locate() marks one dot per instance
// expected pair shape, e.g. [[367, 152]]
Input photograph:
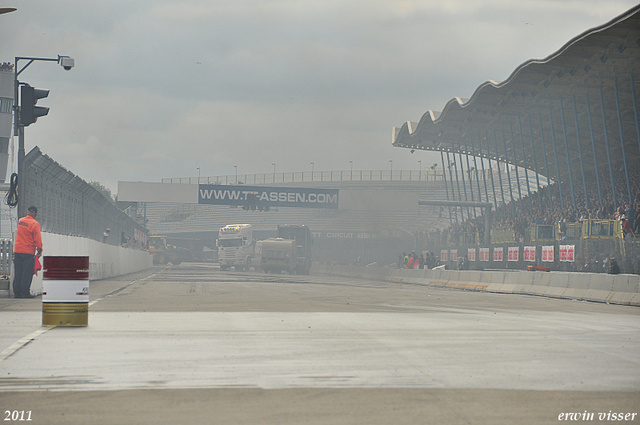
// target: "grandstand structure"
[[572, 117]]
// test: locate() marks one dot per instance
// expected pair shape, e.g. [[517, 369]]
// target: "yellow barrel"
[[65, 314], [65, 291]]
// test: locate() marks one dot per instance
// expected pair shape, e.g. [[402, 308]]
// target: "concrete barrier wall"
[[615, 289], [104, 260]]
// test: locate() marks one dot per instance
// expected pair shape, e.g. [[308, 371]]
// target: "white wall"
[[104, 260]]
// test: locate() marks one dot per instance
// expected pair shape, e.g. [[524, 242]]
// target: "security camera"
[[67, 63], [413, 150]]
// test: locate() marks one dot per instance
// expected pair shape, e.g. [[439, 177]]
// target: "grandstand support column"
[[462, 171], [524, 161], [455, 168], [453, 192], [464, 186], [446, 190], [535, 162], [515, 164], [495, 139], [493, 186], [566, 148], [579, 141], [635, 109], [555, 155], [475, 167], [466, 150], [469, 170], [546, 163], [506, 163], [606, 143], [624, 154], [593, 148]]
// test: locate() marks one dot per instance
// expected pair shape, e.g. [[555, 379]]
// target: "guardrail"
[[611, 289]]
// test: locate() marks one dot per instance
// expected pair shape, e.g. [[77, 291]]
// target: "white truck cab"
[[236, 246]]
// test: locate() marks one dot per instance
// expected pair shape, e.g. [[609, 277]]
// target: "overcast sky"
[[161, 88]]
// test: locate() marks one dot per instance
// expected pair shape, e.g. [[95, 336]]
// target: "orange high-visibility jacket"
[[28, 237]]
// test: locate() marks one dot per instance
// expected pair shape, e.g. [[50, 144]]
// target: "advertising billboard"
[[262, 196]]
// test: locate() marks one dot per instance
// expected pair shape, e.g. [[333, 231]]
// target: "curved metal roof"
[[584, 95]]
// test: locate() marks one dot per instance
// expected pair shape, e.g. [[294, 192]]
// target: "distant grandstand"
[[378, 216]]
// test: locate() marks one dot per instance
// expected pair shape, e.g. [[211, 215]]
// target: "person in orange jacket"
[[27, 246]]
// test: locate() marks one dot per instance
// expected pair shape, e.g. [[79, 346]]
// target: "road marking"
[[13, 348]]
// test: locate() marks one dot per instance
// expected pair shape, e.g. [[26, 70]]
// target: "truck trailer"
[[304, 242]]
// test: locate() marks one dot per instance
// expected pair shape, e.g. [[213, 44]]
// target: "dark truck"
[[304, 242]]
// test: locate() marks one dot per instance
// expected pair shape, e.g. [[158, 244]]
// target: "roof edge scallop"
[[432, 117]]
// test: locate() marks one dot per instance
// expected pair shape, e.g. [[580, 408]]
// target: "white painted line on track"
[[13, 348], [22, 342]]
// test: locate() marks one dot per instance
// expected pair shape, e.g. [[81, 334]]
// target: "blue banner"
[[261, 196]]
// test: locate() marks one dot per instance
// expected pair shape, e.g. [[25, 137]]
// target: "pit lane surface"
[[227, 347]]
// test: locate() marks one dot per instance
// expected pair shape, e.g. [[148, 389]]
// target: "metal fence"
[[315, 176], [68, 205]]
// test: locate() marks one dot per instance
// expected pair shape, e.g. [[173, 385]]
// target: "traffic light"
[[29, 112]]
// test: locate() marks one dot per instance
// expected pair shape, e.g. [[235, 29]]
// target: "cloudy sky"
[[161, 88]]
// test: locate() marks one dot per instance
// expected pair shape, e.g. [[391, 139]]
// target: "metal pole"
[[555, 155], [524, 161], [584, 181], [464, 186], [593, 148], [624, 155], [535, 163], [475, 167], [606, 142], [635, 110], [506, 157], [515, 164], [455, 167], [444, 174], [466, 150], [18, 129], [493, 186], [566, 148], [453, 192], [495, 139], [546, 163], [21, 173]]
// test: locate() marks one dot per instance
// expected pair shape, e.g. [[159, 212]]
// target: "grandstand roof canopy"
[[591, 84]]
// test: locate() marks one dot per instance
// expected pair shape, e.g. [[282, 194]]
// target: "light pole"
[[236, 167], [312, 170], [351, 163], [391, 162], [67, 63], [274, 171], [420, 172], [198, 175]]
